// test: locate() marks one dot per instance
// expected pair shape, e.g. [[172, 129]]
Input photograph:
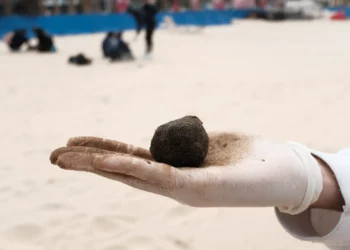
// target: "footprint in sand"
[[12, 90], [179, 243], [25, 232], [50, 181], [136, 242], [105, 100], [54, 206], [177, 213], [130, 219], [5, 189], [74, 220], [104, 223], [115, 247]]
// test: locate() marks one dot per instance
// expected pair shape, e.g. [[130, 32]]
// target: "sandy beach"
[[287, 81]]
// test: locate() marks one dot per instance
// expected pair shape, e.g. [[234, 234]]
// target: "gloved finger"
[[59, 151], [111, 145], [84, 162], [149, 171]]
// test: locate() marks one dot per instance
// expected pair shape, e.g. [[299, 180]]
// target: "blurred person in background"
[[45, 41], [115, 48], [146, 16], [16, 39], [105, 44]]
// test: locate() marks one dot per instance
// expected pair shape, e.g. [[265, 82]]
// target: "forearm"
[[331, 197], [327, 220]]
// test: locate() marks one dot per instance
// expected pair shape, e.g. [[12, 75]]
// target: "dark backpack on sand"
[[79, 59]]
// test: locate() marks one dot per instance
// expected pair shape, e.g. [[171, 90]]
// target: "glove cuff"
[[314, 179]]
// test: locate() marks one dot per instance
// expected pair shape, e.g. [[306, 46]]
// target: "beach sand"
[[287, 81]]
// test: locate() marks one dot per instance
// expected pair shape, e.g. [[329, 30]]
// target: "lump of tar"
[[180, 143]]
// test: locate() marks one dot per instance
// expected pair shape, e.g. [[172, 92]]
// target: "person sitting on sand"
[[115, 48], [105, 43], [16, 39], [309, 190], [45, 41]]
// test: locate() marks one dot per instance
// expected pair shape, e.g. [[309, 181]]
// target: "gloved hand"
[[239, 171]]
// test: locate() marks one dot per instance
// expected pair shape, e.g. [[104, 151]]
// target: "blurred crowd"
[[53, 7]]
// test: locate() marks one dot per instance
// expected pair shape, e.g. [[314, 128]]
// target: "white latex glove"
[[239, 171]]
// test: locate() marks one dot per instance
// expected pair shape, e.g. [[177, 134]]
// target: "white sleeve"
[[324, 226]]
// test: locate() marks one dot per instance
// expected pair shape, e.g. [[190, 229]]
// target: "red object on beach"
[[175, 6], [121, 5], [195, 4], [340, 15], [219, 4], [242, 4]]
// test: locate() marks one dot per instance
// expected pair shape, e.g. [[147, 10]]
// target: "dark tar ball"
[[180, 143]]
